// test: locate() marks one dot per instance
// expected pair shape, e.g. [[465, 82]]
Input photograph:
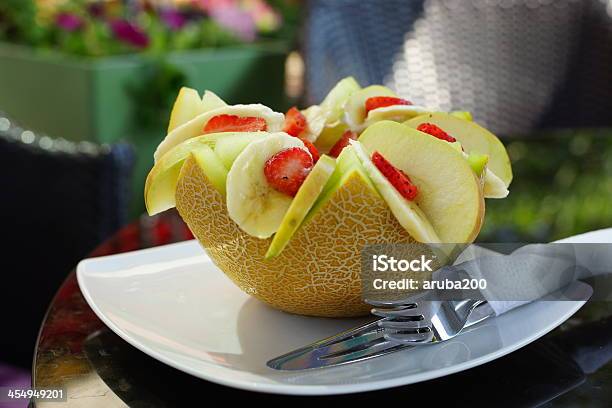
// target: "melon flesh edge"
[[318, 273]]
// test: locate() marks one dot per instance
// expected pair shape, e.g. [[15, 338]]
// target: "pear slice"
[[161, 181], [473, 138], [301, 204], [449, 192], [408, 213], [194, 127]]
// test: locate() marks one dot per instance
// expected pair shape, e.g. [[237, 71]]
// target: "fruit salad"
[[284, 203]]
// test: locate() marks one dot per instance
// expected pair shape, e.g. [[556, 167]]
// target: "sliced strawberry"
[[287, 170], [382, 101], [314, 152], [342, 143], [233, 123], [435, 131], [295, 122], [396, 177]]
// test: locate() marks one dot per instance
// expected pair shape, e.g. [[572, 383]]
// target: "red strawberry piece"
[[396, 177], [342, 143], [382, 101], [295, 122], [435, 131], [314, 152], [233, 123], [287, 170]]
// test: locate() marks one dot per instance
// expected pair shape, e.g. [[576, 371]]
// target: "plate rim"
[[292, 389]]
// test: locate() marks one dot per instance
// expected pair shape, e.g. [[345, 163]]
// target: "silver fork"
[[409, 324], [423, 321]]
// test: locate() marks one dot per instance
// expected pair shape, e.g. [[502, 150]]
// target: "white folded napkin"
[[529, 273]]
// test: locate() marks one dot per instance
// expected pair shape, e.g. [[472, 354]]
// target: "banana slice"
[[193, 128], [494, 187], [252, 203], [316, 118]]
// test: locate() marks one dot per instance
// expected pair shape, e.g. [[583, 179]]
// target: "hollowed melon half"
[[318, 272]]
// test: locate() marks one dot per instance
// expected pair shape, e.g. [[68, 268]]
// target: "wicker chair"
[[518, 65], [60, 199]]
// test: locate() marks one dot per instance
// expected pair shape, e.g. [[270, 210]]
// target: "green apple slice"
[[212, 167], [228, 148], [450, 194], [330, 135], [337, 97], [211, 101], [407, 213], [347, 164], [188, 105], [161, 181], [477, 161], [194, 127], [355, 113], [473, 138], [301, 204], [465, 115], [396, 113]]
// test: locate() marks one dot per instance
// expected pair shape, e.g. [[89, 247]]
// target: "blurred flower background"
[[101, 28], [86, 87]]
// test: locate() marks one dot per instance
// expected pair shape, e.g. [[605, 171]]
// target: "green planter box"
[[89, 99]]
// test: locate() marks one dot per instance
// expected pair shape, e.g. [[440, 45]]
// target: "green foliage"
[[156, 94], [562, 186]]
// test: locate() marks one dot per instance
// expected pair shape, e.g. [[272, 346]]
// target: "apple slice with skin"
[[473, 138], [407, 213], [161, 181], [329, 136], [449, 192], [337, 97], [194, 127], [329, 113], [212, 166], [301, 204], [228, 148], [355, 112], [188, 105]]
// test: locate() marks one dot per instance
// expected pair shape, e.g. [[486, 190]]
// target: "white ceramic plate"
[[172, 303]]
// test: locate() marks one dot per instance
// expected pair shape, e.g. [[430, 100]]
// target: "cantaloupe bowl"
[[300, 251]]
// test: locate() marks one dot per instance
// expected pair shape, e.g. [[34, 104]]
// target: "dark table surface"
[[569, 367]]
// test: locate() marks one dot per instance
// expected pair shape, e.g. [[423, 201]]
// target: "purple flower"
[[68, 22], [129, 33], [173, 19], [237, 21], [96, 10]]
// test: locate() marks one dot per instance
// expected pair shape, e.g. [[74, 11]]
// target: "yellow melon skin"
[[318, 273]]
